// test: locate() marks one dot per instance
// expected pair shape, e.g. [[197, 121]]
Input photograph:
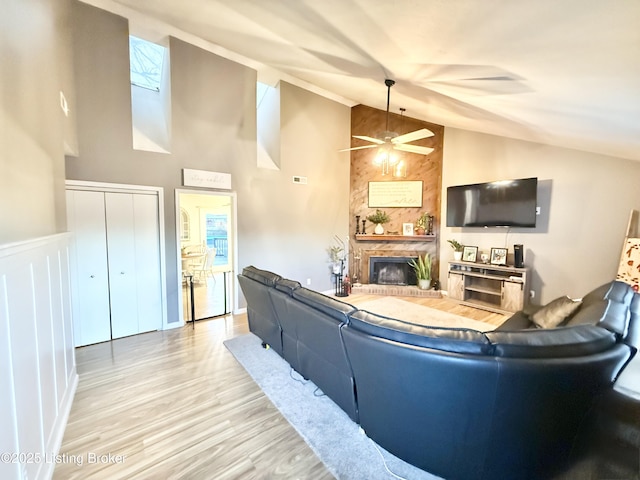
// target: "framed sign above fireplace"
[[395, 194]]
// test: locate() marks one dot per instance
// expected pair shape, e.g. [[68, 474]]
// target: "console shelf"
[[497, 288]]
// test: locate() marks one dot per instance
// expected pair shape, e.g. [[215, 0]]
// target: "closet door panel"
[[122, 264], [147, 252], [90, 280]]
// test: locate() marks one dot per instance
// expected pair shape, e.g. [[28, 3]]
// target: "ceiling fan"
[[388, 140]]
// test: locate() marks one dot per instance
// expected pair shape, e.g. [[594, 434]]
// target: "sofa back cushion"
[[633, 333], [327, 305], [559, 342], [616, 315], [263, 276], [287, 286], [458, 340]]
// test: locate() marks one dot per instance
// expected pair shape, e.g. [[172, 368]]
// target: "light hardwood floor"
[[176, 404]]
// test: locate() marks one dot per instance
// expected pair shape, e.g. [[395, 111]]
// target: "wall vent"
[[300, 180]]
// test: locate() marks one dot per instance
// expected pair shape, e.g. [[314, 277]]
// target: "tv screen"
[[505, 203]]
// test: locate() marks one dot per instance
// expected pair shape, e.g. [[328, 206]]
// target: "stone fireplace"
[[391, 271]]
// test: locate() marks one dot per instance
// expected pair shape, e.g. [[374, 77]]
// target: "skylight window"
[[146, 59]]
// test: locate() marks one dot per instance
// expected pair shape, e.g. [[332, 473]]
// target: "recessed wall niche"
[[370, 121]]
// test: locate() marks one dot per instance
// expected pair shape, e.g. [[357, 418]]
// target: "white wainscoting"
[[38, 376]]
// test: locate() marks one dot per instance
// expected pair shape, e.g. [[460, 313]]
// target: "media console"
[[496, 288]]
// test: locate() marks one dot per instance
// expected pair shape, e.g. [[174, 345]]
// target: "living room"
[[585, 197]]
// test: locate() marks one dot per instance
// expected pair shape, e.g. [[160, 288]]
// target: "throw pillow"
[[555, 312]]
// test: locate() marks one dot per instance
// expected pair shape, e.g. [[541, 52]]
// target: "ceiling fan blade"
[[357, 148], [412, 136], [413, 148], [369, 139]]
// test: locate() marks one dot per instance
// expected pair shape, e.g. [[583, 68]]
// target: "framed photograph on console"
[[407, 229], [498, 256], [470, 254]]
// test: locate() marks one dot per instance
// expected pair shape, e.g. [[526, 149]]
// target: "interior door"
[[122, 264], [88, 259], [147, 253]]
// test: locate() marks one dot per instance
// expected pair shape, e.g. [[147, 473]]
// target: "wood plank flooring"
[[176, 404]]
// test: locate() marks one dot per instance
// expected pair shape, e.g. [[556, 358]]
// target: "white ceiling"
[[558, 72]]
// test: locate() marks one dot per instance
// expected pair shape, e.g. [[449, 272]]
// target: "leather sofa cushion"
[[457, 340], [327, 305], [616, 315], [555, 343], [263, 276], [287, 286], [633, 332]]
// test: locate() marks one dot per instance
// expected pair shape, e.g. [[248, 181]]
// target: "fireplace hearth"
[[391, 271]]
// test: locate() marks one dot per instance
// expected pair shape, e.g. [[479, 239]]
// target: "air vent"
[[300, 180]]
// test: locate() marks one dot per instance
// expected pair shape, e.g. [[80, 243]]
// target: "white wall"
[[37, 363], [585, 202]]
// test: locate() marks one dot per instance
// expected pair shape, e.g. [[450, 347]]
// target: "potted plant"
[[336, 256], [379, 218], [422, 267], [457, 249], [422, 224]]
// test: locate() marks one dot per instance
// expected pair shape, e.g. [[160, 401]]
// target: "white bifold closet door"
[[117, 264]]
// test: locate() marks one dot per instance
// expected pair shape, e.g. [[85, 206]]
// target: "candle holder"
[[357, 224]]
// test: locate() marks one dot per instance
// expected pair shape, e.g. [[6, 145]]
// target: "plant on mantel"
[[379, 218], [422, 223]]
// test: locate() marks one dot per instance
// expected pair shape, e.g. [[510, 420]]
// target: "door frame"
[[143, 189], [233, 197]]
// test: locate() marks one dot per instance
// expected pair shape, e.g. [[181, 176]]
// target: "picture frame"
[[498, 256], [392, 194], [407, 229], [470, 254]]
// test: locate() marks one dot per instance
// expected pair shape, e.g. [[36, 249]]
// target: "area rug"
[[339, 442], [414, 313]]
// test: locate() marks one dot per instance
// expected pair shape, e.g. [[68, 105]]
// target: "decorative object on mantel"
[[457, 249], [364, 230], [422, 224], [422, 268], [358, 224], [379, 218], [387, 142]]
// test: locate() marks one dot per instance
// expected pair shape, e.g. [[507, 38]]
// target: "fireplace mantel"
[[363, 237]]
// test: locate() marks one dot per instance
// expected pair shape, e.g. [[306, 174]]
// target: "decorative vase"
[[424, 283], [419, 231], [379, 230], [457, 256]]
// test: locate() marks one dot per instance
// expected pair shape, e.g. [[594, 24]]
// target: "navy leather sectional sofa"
[[457, 403]]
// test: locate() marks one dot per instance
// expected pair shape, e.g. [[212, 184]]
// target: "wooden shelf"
[[394, 238]]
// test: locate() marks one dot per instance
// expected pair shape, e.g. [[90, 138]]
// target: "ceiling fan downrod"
[[389, 83]]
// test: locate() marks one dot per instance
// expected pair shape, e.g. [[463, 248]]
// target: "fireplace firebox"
[[391, 271]]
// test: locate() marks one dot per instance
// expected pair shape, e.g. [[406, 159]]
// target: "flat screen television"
[[505, 203]]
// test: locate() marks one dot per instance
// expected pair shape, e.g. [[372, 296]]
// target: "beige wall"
[[35, 56], [585, 202], [281, 226]]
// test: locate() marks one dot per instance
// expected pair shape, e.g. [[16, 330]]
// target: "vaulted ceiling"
[[557, 72]]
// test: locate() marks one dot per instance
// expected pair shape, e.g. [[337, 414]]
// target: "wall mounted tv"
[[505, 203]]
